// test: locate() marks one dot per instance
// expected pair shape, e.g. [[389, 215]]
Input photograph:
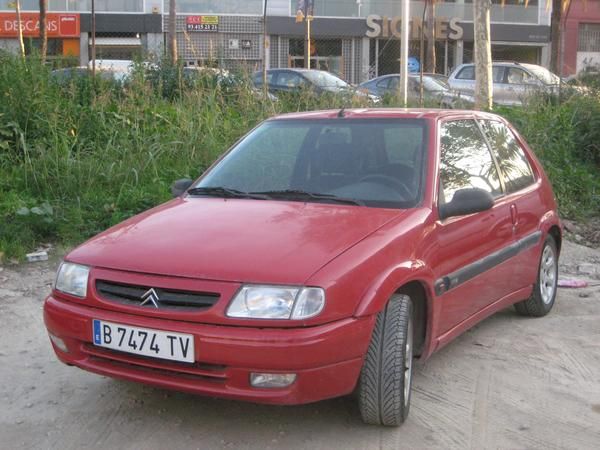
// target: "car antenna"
[[342, 112]]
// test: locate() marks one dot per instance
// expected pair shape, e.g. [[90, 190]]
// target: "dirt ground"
[[509, 383]]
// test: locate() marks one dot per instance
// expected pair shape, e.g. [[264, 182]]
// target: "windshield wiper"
[[220, 191], [297, 194]]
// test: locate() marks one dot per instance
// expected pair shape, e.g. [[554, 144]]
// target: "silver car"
[[513, 82]]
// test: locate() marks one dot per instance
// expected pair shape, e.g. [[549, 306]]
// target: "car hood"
[[241, 240]]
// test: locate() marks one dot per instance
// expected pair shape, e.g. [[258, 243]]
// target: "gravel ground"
[[509, 383]]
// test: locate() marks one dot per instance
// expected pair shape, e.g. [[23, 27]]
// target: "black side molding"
[[460, 276]]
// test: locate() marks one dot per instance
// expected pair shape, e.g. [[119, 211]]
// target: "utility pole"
[[483, 54], [173, 31], [43, 29], [404, 53], [94, 40], [265, 49], [20, 27]]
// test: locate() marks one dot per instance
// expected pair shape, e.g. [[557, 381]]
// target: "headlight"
[[72, 279], [277, 302]]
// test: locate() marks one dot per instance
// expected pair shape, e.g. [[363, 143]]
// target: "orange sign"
[[58, 25]]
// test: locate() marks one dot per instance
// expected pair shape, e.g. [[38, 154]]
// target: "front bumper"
[[327, 358]]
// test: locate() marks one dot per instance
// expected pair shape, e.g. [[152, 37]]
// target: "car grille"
[[170, 299]]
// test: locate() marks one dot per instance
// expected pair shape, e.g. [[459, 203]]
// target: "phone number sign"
[[202, 23]]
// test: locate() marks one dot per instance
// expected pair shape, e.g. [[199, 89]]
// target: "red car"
[[317, 257]]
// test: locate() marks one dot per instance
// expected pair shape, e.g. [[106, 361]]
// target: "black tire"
[[544, 291], [382, 397]]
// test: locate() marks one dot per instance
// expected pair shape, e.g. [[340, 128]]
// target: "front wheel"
[[544, 292], [386, 377]]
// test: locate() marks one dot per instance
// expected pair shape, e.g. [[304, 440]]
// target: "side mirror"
[[180, 186], [467, 201]]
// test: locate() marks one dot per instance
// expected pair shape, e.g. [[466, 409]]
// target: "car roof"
[[387, 113]]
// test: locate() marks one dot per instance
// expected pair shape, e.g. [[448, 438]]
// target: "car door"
[[523, 197], [518, 85], [469, 270], [464, 80]]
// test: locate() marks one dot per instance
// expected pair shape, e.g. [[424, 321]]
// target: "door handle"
[[513, 215]]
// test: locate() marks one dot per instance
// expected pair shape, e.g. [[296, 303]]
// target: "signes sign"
[[58, 25], [202, 23]]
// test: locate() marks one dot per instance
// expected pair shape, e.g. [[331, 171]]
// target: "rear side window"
[[466, 161], [467, 73], [511, 157]]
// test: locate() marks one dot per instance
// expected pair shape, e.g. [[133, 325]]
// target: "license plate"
[[144, 341]]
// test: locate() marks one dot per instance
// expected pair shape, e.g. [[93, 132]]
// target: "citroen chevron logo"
[[150, 297]]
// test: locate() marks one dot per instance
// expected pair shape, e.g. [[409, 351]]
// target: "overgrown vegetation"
[[77, 157]]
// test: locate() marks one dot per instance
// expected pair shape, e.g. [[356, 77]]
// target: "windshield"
[[543, 74], [325, 79], [370, 162]]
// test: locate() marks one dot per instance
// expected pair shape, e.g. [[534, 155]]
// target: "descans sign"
[[445, 28], [58, 25]]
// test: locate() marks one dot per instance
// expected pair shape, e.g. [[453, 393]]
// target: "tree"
[[20, 29], [483, 54], [43, 29], [173, 31], [431, 63]]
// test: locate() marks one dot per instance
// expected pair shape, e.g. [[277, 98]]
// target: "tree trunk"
[[43, 30], [555, 36], [430, 58], [483, 54], [20, 30], [173, 31]]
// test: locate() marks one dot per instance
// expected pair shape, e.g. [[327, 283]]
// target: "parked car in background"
[[298, 80], [317, 257], [513, 82], [72, 74], [434, 91]]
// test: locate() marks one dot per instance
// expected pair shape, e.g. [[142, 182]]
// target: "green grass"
[[78, 158]]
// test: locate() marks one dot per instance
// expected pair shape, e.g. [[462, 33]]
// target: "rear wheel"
[[386, 377], [544, 292]]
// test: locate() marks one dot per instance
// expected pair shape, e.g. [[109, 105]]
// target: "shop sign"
[[378, 26], [57, 25], [202, 23]]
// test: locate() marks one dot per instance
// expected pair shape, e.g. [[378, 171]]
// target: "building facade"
[[581, 24], [357, 39]]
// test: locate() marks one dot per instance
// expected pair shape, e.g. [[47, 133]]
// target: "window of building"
[[218, 6], [466, 161], [589, 37], [509, 154]]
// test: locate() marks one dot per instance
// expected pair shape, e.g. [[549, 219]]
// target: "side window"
[[467, 73], [289, 79], [466, 161], [498, 74], [511, 157], [518, 76], [258, 79], [383, 84]]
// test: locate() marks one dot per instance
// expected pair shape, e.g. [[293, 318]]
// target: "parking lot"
[[511, 382]]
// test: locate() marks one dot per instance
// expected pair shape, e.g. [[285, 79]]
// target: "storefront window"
[[218, 6], [77, 5], [326, 54]]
